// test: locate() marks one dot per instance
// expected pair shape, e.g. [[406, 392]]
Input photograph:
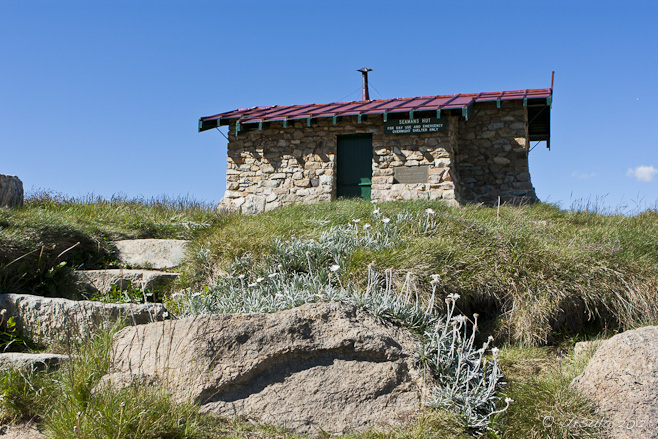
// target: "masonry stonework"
[[492, 154], [473, 161]]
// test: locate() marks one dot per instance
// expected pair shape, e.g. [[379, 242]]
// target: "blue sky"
[[104, 97]]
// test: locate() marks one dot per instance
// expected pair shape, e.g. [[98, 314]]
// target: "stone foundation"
[[475, 160]]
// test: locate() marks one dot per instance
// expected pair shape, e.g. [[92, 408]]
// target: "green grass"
[[68, 403], [42, 242], [537, 275], [24, 394], [534, 273], [545, 405]]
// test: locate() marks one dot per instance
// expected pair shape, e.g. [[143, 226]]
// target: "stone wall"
[[492, 154], [275, 166], [281, 165], [434, 150], [475, 160]]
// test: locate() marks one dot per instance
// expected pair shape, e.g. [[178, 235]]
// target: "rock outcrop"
[[328, 366], [622, 379], [11, 191], [151, 253], [46, 320]]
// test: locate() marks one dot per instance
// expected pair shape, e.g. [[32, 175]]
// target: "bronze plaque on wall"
[[411, 174]]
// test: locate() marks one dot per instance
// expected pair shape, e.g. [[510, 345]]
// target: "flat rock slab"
[[151, 253], [326, 366], [622, 379], [46, 320], [21, 360], [104, 280]]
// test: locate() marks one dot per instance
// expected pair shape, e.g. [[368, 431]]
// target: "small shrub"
[[10, 339]]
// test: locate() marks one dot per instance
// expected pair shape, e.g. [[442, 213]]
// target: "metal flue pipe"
[[365, 95]]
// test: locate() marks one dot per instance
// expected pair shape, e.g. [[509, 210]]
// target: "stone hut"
[[461, 148]]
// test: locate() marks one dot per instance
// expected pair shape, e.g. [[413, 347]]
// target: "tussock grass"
[[545, 404], [24, 394]]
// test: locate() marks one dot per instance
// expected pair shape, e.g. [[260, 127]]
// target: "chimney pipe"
[[365, 95]]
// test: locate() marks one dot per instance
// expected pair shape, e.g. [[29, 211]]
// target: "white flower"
[[366, 226], [196, 294], [260, 279], [459, 319], [454, 297], [386, 220], [241, 276], [429, 211], [165, 315], [272, 275], [334, 268], [252, 284], [374, 201], [356, 220], [508, 400], [494, 351], [376, 211]]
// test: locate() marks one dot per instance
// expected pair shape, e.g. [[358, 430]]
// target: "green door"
[[354, 163]]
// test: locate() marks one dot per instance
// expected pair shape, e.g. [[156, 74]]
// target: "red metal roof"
[[379, 106]]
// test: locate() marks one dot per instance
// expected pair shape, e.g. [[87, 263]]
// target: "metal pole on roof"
[[365, 95]]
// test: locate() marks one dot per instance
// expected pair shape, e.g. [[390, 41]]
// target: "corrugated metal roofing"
[[379, 106]]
